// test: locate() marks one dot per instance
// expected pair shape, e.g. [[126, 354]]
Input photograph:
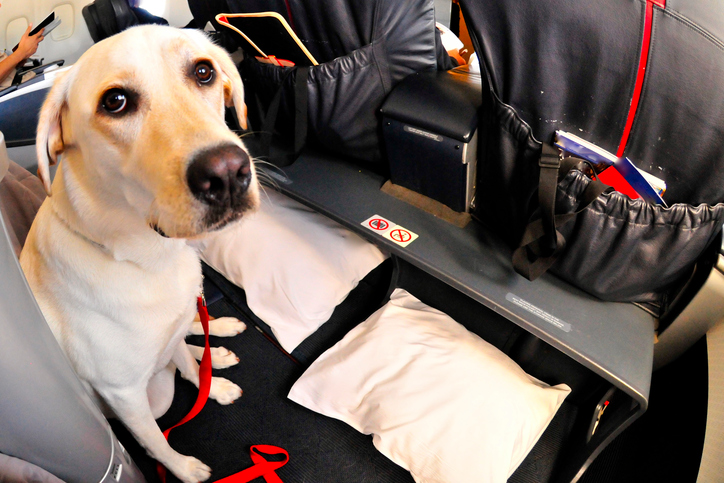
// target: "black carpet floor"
[[665, 444], [321, 449]]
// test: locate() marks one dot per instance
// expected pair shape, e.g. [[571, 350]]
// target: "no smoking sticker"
[[401, 236], [391, 231]]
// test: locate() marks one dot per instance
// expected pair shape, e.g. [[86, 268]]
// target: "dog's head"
[[140, 119]]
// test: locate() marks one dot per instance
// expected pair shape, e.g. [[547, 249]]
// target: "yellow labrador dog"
[[147, 162]]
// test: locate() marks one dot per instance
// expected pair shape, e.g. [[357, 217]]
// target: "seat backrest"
[[364, 48], [205, 11], [576, 66], [334, 28], [108, 17]]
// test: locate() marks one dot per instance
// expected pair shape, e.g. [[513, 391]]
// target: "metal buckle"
[[550, 160]]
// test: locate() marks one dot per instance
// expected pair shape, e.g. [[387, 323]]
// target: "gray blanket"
[[21, 194]]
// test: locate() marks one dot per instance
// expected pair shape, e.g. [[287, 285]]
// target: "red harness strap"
[[261, 467]]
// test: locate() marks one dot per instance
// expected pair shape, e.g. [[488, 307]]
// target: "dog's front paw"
[[221, 358], [224, 391], [226, 327], [192, 470]]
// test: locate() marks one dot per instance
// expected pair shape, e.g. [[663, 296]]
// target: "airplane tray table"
[[614, 340]]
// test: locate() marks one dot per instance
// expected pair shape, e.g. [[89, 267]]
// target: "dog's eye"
[[115, 101], [204, 72]]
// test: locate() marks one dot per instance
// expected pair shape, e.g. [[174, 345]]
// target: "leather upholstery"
[[364, 47], [571, 65], [108, 17], [453, 98]]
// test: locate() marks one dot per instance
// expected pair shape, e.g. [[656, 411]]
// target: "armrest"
[[37, 69], [8, 90]]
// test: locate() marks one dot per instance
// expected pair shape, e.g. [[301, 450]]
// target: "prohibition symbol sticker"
[[390, 230], [378, 224], [400, 235]]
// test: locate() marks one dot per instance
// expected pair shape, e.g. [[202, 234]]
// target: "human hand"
[[29, 45]]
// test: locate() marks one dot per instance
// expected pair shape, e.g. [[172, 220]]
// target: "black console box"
[[429, 125]]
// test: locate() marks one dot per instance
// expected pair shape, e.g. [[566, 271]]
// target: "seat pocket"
[[629, 250]]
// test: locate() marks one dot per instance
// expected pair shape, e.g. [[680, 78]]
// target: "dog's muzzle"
[[220, 177]]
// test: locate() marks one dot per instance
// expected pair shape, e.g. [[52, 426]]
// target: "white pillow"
[[294, 264], [440, 401]]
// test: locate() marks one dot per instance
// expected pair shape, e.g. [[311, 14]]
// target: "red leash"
[[261, 467]]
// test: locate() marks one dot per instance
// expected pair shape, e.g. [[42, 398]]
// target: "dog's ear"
[[233, 88], [49, 143]]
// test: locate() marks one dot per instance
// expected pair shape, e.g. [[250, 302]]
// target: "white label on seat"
[[551, 319], [387, 229]]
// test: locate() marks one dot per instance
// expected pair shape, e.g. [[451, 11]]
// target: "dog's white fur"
[[119, 297]]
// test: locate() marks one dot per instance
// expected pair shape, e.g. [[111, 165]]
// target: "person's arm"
[[28, 46]]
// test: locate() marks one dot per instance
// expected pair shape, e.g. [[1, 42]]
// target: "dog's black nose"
[[217, 175]]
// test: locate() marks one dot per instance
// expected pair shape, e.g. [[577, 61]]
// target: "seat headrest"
[[108, 17]]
